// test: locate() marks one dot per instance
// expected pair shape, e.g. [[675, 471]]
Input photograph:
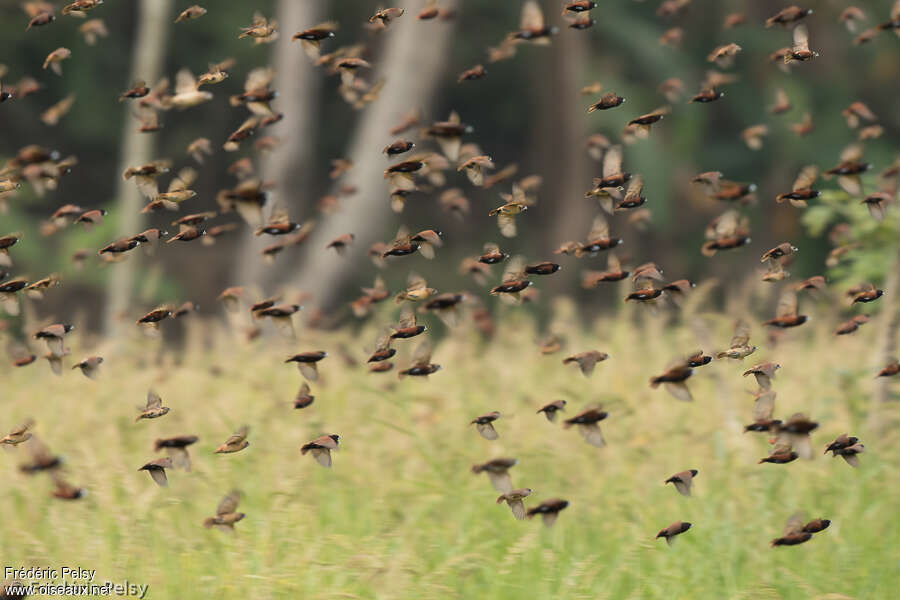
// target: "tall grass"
[[401, 516]]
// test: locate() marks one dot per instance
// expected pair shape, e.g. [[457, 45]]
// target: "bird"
[[421, 363], [552, 409], [683, 481], [497, 470], [321, 447], [226, 513], [549, 510], [675, 529], [90, 366], [764, 373], [157, 470], [307, 363], [304, 398], [586, 361], [588, 424], [798, 531], [154, 408], [177, 449], [514, 499], [786, 312], [673, 379], [18, 434], [739, 348], [235, 442], [485, 425]]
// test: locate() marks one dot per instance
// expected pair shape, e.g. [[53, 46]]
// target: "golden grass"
[[401, 516]]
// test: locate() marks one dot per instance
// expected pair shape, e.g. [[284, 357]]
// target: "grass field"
[[400, 515]]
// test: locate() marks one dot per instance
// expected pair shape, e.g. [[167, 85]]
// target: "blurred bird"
[[498, 472], [514, 498], [683, 481], [549, 510], [586, 361], [321, 447], [226, 513], [177, 449], [307, 363], [739, 347], [154, 408], [485, 425], [236, 442], [157, 470], [588, 425], [675, 529]]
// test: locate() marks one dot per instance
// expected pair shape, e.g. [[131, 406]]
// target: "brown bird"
[[446, 306], [416, 290], [448, 134], [550, 410], [599, 239], [683, 481], [865, 293], [281, 315], [485, 425], [513, 282], [794, 433], [321, 448], [40, 19], [421, 362], [90, 366], [65, 490], [676, 528], [138, 90], [54, 335], [383, 350], [607, 101], [614, 272], [476, 72], [877, 203], [779, 251], [157, 470], [304, 398], [800, 50], [782, 103], [891, 369], [55, 58], [673, 379], [42, 459], [848, 327], [312, 38], [262, 30], [764, 373], [740, 347], [514, 498], [190, 13], [849, 454], [781, 454], [641, 125], [588, 425], [802, 189], [307, 361], [797, 532], [154, 408], [549, 510], [698, 359], [396, 147], [18, 434], [226, 513], [532, 27], [177, 449], [236, 442], [788, 16], [840, 442], [407, 328], [786, 312], [586, 361], [384, 16], [497, 471], [515, 203]]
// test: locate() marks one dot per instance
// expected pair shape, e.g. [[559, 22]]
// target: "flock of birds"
[[617, 192]]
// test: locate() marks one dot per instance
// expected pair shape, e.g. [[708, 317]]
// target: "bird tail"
[[208, 523]]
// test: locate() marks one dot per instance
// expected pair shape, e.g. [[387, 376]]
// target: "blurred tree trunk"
[[151, 31], [888, 326], [560, 144], [411, 66], [297, 82]]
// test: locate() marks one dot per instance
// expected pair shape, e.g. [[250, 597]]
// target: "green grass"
[[401, 516]]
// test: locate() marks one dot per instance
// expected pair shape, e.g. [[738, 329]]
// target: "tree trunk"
[[297, 82], [411, 66], [137, 148]]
